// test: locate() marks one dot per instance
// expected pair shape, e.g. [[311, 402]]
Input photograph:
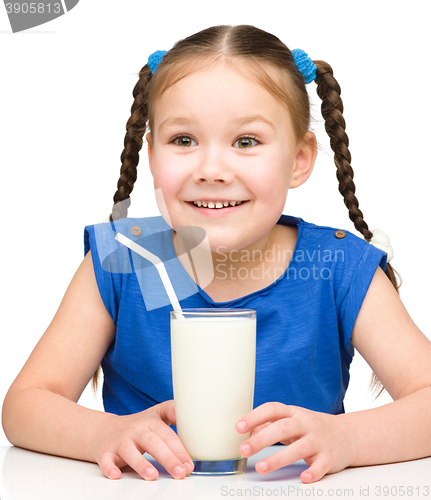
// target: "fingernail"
[[246, 450], [241, 425], [306, 476], [188, 466], [179, 470], [113, 474], [149, 472], [263, 466]]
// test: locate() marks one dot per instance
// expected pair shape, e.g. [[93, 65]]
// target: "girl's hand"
[[321, 440], [128, 437]]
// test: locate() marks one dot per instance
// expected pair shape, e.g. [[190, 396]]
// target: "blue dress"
[[305, 318]]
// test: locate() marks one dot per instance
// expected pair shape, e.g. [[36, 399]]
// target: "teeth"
[[217, 204]]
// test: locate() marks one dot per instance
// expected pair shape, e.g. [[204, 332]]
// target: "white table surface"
[[26, 475]]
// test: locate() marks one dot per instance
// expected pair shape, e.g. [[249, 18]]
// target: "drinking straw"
[[143, 252]]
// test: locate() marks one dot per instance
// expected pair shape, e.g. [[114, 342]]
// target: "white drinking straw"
[[159, 266]]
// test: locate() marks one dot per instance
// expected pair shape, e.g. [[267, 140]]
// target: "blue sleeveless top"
[[305, 318]]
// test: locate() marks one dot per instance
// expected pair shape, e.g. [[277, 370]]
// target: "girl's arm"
[[400, 355], [40, 411]]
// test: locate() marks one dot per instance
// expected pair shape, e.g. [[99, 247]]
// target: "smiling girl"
[[228, 117], [225, 164]]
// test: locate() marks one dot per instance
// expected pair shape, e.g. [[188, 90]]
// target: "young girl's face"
[[218, 137]]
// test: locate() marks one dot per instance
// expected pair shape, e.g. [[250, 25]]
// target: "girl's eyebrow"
[[176, 120], [242, 120], [246, 120]]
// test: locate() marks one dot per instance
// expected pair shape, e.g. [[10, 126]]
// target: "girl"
[[228, 119]]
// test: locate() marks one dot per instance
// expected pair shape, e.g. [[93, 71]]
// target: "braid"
[[329, 92], [136, 126], [332, 111]]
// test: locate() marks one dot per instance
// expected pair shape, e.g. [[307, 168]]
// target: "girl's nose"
[[213, 169]]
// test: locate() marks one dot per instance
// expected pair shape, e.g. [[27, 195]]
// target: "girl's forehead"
[[231, 83], [227, 68], [219, 78]]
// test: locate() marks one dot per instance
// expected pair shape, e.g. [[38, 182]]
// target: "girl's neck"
[[238, 273]]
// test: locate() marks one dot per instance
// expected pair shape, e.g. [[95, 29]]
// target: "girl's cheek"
[[165, 162]]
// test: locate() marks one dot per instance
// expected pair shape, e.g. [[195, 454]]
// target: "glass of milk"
[[213, 367]]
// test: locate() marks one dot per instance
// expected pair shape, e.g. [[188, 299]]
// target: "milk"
[[213, 367]]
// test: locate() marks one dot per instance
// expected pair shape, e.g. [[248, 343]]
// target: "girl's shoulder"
[[330, 238], [100, 237], [129, 226], [119, 272], [334, 251], [341, 262]]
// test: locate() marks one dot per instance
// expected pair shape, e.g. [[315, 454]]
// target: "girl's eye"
[[184, 141], [245, 142]]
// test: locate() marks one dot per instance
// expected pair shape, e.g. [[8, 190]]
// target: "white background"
[[65, 96]]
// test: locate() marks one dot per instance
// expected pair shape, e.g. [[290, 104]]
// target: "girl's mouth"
[[214, 207], [217, 205]]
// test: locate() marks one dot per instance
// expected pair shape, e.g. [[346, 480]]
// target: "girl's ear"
[[304, 162], [150, 151]]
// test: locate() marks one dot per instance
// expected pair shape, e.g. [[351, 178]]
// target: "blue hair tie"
[[155, 59], [305, 65]]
